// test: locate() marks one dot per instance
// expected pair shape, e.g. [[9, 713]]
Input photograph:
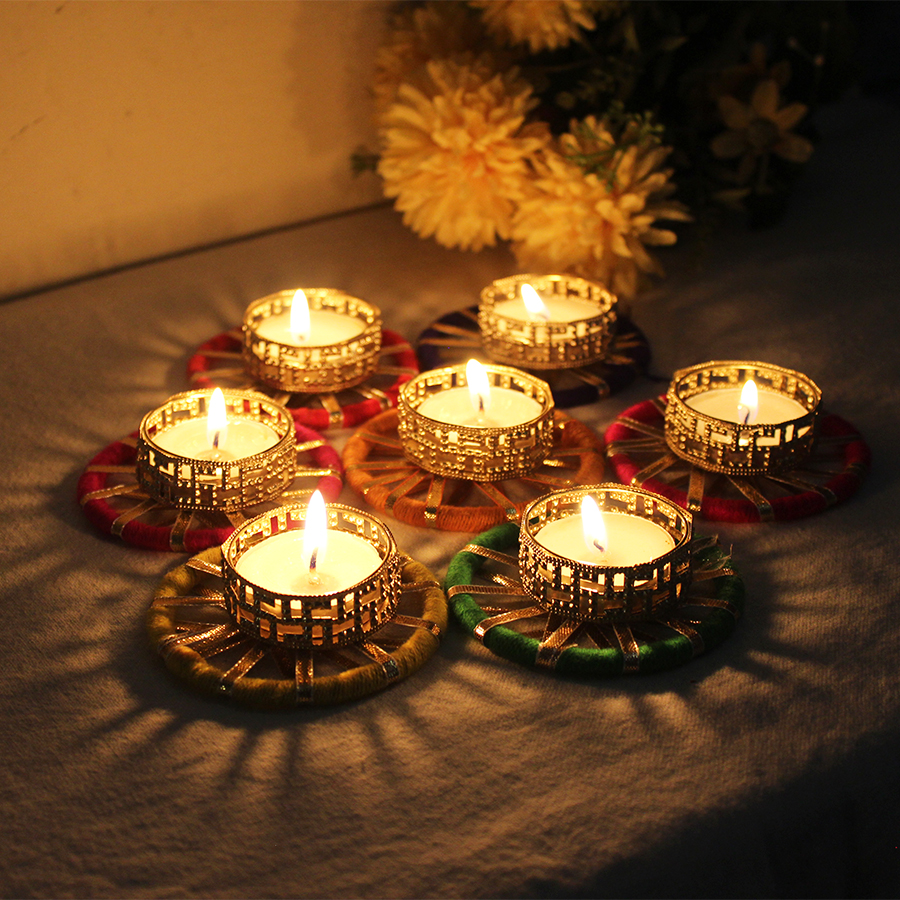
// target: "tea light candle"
[[216, 437], [479, 405], [618, 540], [533, 308], [296, 563], [300, 326], [728, 405]]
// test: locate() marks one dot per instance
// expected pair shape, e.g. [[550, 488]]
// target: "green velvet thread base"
[[654, 656], [281, 693]]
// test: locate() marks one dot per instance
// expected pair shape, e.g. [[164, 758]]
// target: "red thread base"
[[833, 473], [111, 499]]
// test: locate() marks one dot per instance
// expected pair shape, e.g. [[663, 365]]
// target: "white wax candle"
[[189, 439], [630, 540], [325, 327], [279, 565], [559, 309], [723, 404], [454, 407]]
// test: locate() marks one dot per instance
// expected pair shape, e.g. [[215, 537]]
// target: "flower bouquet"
[[585, 132]]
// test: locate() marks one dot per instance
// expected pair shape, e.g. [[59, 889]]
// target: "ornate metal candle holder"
[[312, 369], [733, 448], [327, 620], [532, 343], [586, 592], [469, 452], [220, 484]]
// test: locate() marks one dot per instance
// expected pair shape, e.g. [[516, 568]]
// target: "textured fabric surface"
[[766, 767]]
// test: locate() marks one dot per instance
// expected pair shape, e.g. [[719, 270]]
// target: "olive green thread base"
[[189, 627]]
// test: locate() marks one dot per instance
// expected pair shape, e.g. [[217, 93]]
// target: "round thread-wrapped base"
[[218, 363], [377, 470], [639, 455], [488, 600], [189, 626], [455, 338], [109, 493]]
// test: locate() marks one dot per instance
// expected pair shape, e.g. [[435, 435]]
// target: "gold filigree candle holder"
[[216, 483], [583, 592], [475, 453], [733, 448], [315, 368], [312, 621], [533, 343]]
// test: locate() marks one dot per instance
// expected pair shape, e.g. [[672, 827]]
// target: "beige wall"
[[133, 129]]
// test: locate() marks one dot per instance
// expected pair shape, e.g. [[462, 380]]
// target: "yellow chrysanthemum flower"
[[436, 30], [542, 24], [598, 224], [455, 154]]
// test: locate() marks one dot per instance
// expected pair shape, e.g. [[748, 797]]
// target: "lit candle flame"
[[300, 326], [216, 421], [748, 406], [315, 534], [534, 304], [592, 523], [479, 386]]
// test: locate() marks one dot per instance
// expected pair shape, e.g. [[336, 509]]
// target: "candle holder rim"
[[679, 540], [547, 403], [374, 310], [393, 549], [487, 297], [288, 436], [680, 374]]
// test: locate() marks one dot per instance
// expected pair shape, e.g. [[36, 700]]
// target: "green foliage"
[[626, 129]]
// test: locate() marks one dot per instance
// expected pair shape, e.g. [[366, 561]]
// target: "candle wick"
[[215, 440], [598, 545], [313, 560], [745, 414]]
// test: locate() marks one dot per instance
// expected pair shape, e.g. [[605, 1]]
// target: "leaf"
[[671, 44]]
